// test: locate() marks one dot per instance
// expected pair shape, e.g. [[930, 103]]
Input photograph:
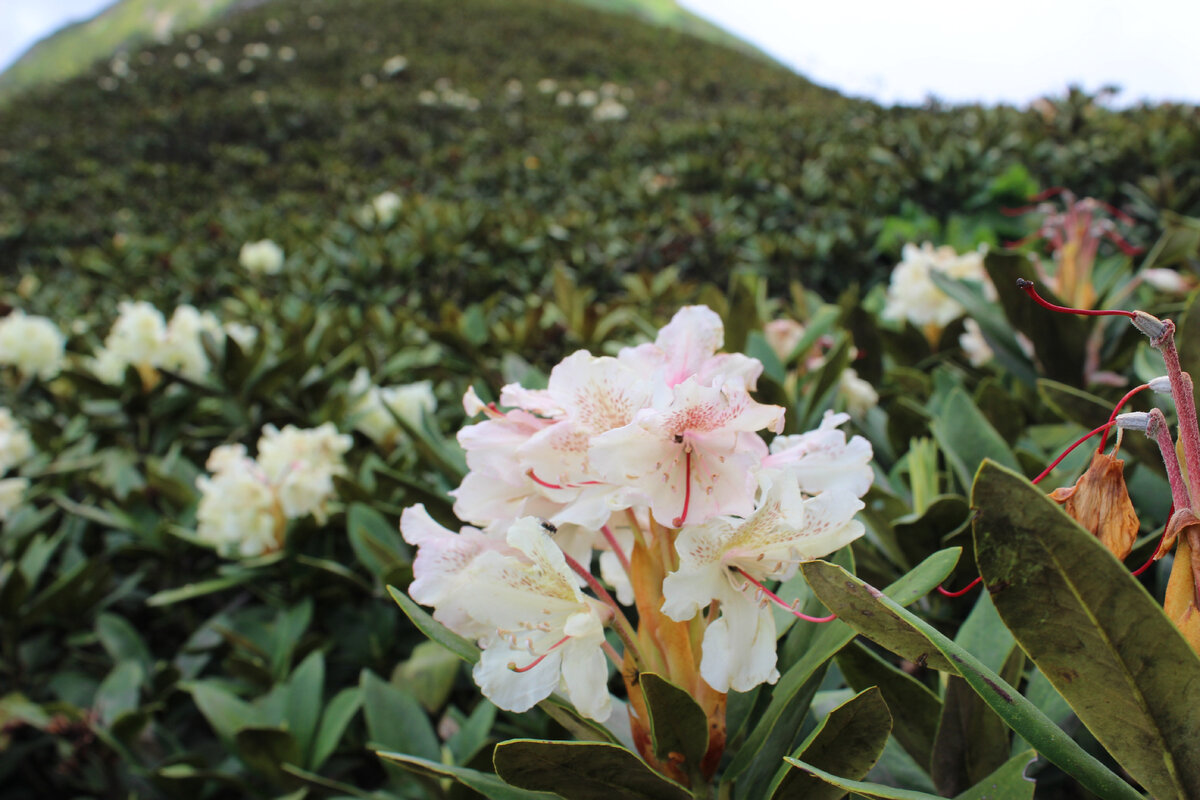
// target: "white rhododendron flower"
[[912, 295], [859, 395], [301, 464], [382, 210], [374, 412], [727, 559], [262, 257], [783, 335], [15, 444], [610, 110], [12, 491], [634, 458], [238, 512], [978, 351], [32, 344], [142, 338], [183, 348], [245, 504]]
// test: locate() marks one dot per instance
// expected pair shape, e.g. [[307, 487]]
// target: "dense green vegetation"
[[138, 658]]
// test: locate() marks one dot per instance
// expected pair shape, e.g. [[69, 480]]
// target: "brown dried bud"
[[1099, 501]]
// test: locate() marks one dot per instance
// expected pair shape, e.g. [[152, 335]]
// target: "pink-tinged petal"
[[692, 336], [823, 460], [536, 401], [598, 393], [515, 691], [731, 368]]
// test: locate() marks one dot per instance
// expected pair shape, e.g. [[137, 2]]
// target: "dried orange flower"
[[1099, 501]]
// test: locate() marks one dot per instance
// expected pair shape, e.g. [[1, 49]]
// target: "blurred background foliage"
[[136, 661]]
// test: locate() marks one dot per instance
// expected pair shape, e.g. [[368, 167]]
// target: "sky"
[[902, 51]]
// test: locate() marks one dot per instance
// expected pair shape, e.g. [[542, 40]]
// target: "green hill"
[[128, 24]]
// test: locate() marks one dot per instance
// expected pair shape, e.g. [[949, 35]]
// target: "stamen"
[[1027, 287], [687, 492], [790, 608], [540, 482], [1117, 409], [512, 665], [1153, 555], [962, 591], [1067, 452], [611, 538]]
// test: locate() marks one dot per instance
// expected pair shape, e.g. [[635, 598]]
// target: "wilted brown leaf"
[[1099, 501]]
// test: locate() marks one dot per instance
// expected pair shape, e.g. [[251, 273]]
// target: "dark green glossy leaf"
[[226, 713], [395, 720], [848, 742], [840, 590], [915, 708], [677, 723], [304, 701], [1093, 631], [967, 438], [582, 771], [433, 629], [485, 783], [376, 542], [266, 750], [1006, 783], [334, 720]]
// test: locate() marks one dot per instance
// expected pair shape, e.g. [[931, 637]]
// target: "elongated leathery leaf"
[[847, 596], [582, 771], [826, 642], [1007, 783], [848, 741], [1093, 631], [485, 783], [426, 624], [677, 723]]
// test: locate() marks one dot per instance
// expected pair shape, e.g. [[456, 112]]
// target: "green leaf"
[[226, 713], [582, 771], [376, 542], [118, 692], [485, 783], [849, 741], [429, 674], [266, 750], [677, 723], [915, 708], [289, 626], [334, 720], [395, 720], [994, 325], [1064, 595], [433, 629], [843, 592], [122, 642], [304, 701], [1006, 783], [473, 734], [772, 737], [967, 438]]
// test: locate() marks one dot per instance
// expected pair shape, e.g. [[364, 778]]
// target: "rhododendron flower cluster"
[[656, 459], [263, 257], [142, 338], [32, 344], [15, 447], [913, 296], [246, 503], [375, 408]]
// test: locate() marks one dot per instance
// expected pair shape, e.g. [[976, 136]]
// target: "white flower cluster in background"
[[445, 95], [659, 444], [32, 344], [246, 502], [913, 296], [375, 408], [15, 448], [263, 257], [142, 338], [607, 103], [382, 210]]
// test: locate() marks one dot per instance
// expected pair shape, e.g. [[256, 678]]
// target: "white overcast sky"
[[902, 50]]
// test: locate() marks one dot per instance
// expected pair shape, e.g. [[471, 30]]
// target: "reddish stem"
[[611, 538], [1154, 552], [780, 601]]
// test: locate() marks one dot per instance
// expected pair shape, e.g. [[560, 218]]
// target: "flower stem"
[[1117, 410], [1185, 408]]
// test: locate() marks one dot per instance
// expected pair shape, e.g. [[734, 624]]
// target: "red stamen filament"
[[533, 476], [1117, 410], [687, 492], [512, 665], [946, 592], [962, 591], [1068, 451], [611, 538], [1027, 287], [1153, 555], [788, 607]]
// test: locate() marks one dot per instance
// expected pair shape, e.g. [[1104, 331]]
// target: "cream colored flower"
[[375, 411], [912, 294], [978, 351], [15, 444], [34, 345], [12, 491], [300, 464], [261, 258], [238, 512]]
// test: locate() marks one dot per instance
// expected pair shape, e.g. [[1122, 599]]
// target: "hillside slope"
[[145, 177], [127, 24]]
